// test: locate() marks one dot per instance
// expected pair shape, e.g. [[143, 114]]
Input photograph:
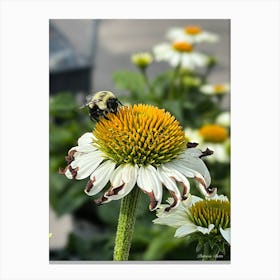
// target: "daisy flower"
[[216, 89], [139, 145], [212, 136], [197, 215], [223, 119], [192, 34], [180, 53]]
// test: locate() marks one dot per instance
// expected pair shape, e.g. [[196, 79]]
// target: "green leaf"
[[161, 244], [161, 84], [63, 104], [109, 213], [71, 198]]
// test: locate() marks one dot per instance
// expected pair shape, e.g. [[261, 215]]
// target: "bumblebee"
[[102, 103]]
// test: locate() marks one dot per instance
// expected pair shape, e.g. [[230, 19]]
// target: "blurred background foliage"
[[94, 227]]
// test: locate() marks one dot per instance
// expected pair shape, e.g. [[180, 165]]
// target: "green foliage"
[[67, 123]]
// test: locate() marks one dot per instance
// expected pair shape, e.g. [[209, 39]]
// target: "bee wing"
[[88, 100]]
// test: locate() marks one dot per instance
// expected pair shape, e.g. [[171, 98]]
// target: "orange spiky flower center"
[[140, 134]]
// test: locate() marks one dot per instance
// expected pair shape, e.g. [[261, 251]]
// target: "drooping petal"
[[180, 178], [205, 230], [100, 177], [86, 164], [186, 229], [225, 234], [170, 184], [193, 161], [122, 180], [149, 182]]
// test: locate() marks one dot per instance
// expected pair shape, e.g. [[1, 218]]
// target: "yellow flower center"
[[182, 46], [219, 88], [213, 133], [206, 212], [192, 30], [140, 134]]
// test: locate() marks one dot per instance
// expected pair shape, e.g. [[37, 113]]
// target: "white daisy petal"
[[185, 230], [197, 164], [194, 199], [149, 181], [199, 59], [86, 138], [68, 174], [100, 177], [219, 197], [170, 185], [78, 150], [205, 230], [177, 176], [177, 164], [226, 234], [171, 219], [86, 164], [123, 180]]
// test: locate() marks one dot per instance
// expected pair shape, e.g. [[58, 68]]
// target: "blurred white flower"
[[216, 89], [223, 119], [191, 34], [213, 137], [180, 53], [60, 228], [197, 215]]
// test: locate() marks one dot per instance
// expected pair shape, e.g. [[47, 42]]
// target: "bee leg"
[[92, 118], [104, 114]]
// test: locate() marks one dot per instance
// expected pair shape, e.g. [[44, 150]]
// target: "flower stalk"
[[125, 227]]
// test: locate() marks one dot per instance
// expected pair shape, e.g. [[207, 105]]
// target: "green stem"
[[126, 225], [172, 84], [145, 77]]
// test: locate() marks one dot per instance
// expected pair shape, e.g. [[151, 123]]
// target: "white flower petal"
[[205, 230], [170, 184], [100, 177], [226, 234], [185, 230], [68, 174], [148, 180], [194, 199], [199, 59], [179, 177], [86, 164], [86, 138], [195, 163], [123, 180], [219, 197], [87, 148], [171, 219]]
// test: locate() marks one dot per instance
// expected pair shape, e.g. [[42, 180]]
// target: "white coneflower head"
[[193, 34], [143, 145], [180, 53], [216, 89], [198, 215]]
